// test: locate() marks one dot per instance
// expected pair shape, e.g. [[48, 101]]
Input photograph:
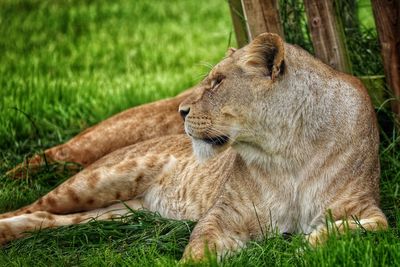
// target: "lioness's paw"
[[37, 163], [29, 166]]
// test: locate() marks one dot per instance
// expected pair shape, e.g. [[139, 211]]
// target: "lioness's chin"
[[204, 150]]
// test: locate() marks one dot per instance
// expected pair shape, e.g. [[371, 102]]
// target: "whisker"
[[219, 134], [201, 76], [206, 64]]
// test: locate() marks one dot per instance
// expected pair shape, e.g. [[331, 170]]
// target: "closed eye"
[[217, 81]]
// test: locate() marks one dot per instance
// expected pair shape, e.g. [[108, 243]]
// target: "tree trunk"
[[387, 18], [262, 16], [327, 34], [259, 16], [239, 22]]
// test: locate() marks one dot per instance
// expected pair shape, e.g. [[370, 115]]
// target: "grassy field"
[[65, 65]]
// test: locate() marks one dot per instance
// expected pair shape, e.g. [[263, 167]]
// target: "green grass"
[[69, 64], [66, 65]]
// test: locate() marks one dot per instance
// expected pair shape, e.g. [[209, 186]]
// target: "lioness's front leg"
[[226, 228], [126, 128]]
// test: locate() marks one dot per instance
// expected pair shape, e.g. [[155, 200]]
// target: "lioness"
[[275, 140]]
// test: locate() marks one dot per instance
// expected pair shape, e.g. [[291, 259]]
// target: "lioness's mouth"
[[216, 140]]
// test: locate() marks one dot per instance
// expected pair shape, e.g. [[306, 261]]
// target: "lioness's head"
[[227, 106]]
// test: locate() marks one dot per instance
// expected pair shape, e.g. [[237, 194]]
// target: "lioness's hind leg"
[[18, 226], [129, 127], [100, 185]]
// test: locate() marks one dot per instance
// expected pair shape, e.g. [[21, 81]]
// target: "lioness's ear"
[[265, 53]]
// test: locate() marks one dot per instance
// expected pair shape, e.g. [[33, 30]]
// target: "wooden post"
[[327, 34], [258, 16], [387, 18], [239, 22], [262, 16]]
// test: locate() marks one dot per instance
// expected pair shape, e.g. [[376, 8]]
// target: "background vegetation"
[[65, 65]]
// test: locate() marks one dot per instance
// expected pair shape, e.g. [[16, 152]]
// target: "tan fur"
[[277, 141]]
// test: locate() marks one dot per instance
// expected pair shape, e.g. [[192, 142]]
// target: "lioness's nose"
[[184, 111]]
